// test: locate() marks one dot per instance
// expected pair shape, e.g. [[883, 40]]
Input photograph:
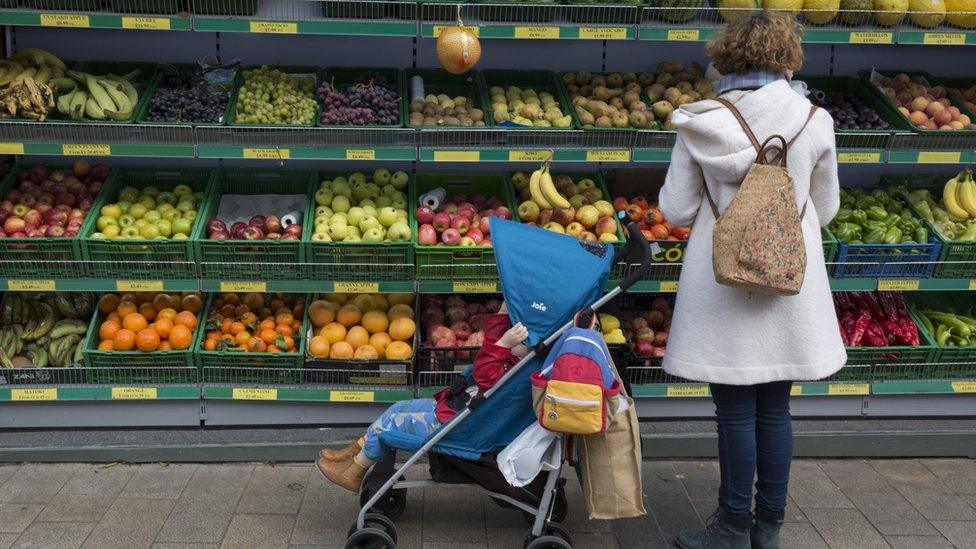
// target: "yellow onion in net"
[[458, 49]]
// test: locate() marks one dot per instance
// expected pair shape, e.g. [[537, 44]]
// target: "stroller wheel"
[[544, 542], [557, 529], [393, 502], [370, 538], [374, 522]]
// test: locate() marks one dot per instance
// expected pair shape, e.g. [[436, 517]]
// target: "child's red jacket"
[[490, 364]]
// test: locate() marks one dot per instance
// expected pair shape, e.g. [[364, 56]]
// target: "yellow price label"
[[64, 20], [457, 156], [603, 33], [254, 393], [684, 35], [537, 32], [139, 285], [440, 28], [972, 285], [796, 390], [243, 286], [352, 396], [474, 287], [687, 390], [34, 394], [529, 156], [608, 156], [669, 286], [71, 149], [11, 148], [267, 154], [134, 393], [146, 23], [274, 27], [356, 287], [858, 158], [30, 285], [964, 386], [860, 37], [848, 389], [898, 284], [936, 157], [943, 38], [360, 154]]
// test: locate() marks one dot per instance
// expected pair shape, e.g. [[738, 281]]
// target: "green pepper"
[[921, 235], [846, 200], [940, 214], [877, 213], [942, 334], [970, 233], [925, 210], [880, 195], [906, 239], [856, 241], [875, 236], [847, 231], [871, 224], [892, 219], [892, 236], [843, 215], [865, 202], [859, 216]]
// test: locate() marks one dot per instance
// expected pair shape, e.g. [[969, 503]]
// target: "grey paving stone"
[[811, 488], [185, 546], [639, 532], [577, 519], [154, 481], [595, 540], [76, 508], [410, 526], [700, 478], [6, 540], [670, 506], [274, 490], [497, 516], [876, 498], [130, 523], [845, 529], [453, 545], [99, 479], [325, 515], [207, 504], [958, 474], [918, 542], [505, 538], [37, 482], [925, 491], [7, 471], [795, 535], [793, 512], [54, 535], [961, 534], [16, 517], [453, 513], [266, 531]]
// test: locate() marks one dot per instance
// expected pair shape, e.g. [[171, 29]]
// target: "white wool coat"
[[726, 335]]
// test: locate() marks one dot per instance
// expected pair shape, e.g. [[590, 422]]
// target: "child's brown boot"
[[347, 474], [341, 455]]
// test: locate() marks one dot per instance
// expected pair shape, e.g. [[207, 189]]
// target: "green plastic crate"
[[259, 259], [342, 77], [144, 258], [623, 12], [300, 72], [439, 81], [138, 366], [866, 78], [67, 5], [892, 362], [167, 7], [265, 368], [873, 138], [539, 81], [529, 11], [22, 258], [829, 245], [225, 7], [459, 262], [946, 361], [143, 83], [143, 114], [365, 261]]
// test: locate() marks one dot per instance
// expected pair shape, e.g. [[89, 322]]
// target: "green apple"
[[323, 228], [355, 215], [352, 238], [148, 201], [149, 231], [323, 211], [402, 216], [383, 202], [166, 197], [323, 197], [128, 194], [140, 223], [171, 214], [111, 210], [369, 223], [357, 177], [360, 191], [181, 190], [339, 218], [399, 194], [190, 215], [180, 236], [125, 205], [338, 232], [321, 237], [112, 231], [341, 188], [399, 204], [151, 191], [198, 197], [129, 232], [387, 216], [98, 236], [325, 185], [184, 206], [126, 220], [373, 235], [164, 207], [381, 176], [374, 190], [182, 226], [152, 216], [321, 222], [340, 203], [165, 228], [105, 221], [353, 230], [370, 209], [137, 210], [399, 180], [399, 231], [389, 190]]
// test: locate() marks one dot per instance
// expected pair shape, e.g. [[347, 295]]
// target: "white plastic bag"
[[535, 450]]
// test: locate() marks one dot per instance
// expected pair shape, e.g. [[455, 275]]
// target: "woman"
[[751, 346], [501, 350]]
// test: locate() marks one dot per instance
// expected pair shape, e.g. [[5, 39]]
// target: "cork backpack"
[[757, 242]]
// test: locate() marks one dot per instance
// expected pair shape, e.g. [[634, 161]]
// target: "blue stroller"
[[546, 279]]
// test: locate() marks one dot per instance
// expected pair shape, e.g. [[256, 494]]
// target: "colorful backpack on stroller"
[[576, 385]]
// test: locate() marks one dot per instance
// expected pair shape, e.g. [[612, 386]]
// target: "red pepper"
[[908, 327], [892, 330], [887, 301], [871, 300], [843, 333], [842, 302], [860, 326], [874, 336]]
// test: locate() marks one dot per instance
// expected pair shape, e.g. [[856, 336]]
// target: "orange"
[[124, 340], [147, 340], [180, 336], [338, 299], [268, 336], [276, 304], [364, 302], [334, 332], [186, 318], [129, 296], [357, 337], [402, 329], [208, 345], [254, 301], [243, 338], [145, 297], [108, 303], [322, 312], [257, 346], [227, 310], [267, 324], [284, 330], [379, 302], [285, 343], [249, 318], [164, 346], [108, 329], [319, 346], [380, 341], [192, 303], [341, 350], [366, 352], [134, 322], [296, 326], [147, 311], [400, 299], [162, 301], [284, 317], [349, 315], [167, 313], [375, 322], [400, 310], [125, 308], [232, 299], [163, 327], [236, 328], [106, 345], [114, 316], [398, 350], [241, 310]]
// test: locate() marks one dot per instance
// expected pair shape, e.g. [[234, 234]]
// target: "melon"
[[458, 49], [961, 13], [686, 9], [733, 10], [927, 13], [820, 12], [782, 5], [890, 12], [855, 12]]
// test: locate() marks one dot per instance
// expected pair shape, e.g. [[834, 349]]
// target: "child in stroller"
[[502, 348]]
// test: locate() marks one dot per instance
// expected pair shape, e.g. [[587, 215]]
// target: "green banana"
[[68, 327], [78, 354], [44, 322], [129, 90], [78, 102], [64, 84], [37, 356], [5, 360], [7, 308], [93, 109], [116, 92], [64, 103], [99, 94], [65, 306], [16, 316]]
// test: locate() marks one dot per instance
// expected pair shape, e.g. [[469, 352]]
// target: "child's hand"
[[515, 335]]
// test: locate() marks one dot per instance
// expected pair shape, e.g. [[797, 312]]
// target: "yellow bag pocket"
[[574, 408]]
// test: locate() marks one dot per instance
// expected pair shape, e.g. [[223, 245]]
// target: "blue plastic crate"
[[887, 260]]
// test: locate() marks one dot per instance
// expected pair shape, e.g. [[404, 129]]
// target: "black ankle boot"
[[765, 533], [723, 531]]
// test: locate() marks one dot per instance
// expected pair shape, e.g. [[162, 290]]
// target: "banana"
[[43, 75], [64, 103], [93, 109], [536, 192], [5, 360], [37, 356], [967, 195], [30, 72], [65, 306], [39, 57], [118, 115], [117, 93], [9, 76], [44, 322], [127, 88], [949, 193], [78, 354], [549, 191], [78, 102], [64, 84], [99, 94], [18, 339], [68, 327]]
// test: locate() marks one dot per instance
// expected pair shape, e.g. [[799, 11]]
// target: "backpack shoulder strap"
[[813, 111], [742, 122]]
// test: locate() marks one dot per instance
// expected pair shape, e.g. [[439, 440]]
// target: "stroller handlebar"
[[635, 238]]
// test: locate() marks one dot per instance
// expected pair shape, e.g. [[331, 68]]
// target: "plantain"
[[64, 84], [93, 110], [117, 93], [5, 360], [127, 88], [84, 303], [39, 57], [43, 75], [64, 304], [78, 102], [37, 356], [97, 92], [23, 74], [536, 191], [78, 354], [44, 322], [7, 309]]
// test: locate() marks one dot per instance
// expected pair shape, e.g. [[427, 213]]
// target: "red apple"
[[450, 208], [644, 348], [476, 235], [98, 172], [442, 222], [7, 206], [81, 168], [455, 301], [38, 174], [272, 224], [294, 229], [442, 333], [503, 212], [451, 237], [216, 225], [495, 203], [252, 233], [237, 230], [432, 300], [427, 234], [33, 219], [661, 304], [461, 224], [455, 314], [432, 316], [14, 225], [289, 237], [461, 329], [424, 214], [257, 221], [219, 234], [658, 352], [661, 338], [56, 217], [54, 231], [274, 236]]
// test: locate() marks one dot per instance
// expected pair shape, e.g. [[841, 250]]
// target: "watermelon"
[[687, 9]]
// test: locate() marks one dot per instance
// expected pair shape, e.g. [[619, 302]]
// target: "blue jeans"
[[754, 435], [415, 417]]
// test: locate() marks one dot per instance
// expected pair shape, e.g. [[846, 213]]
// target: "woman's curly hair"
[[762, 41]]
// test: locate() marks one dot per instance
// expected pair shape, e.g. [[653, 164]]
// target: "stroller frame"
[[543, 512]]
